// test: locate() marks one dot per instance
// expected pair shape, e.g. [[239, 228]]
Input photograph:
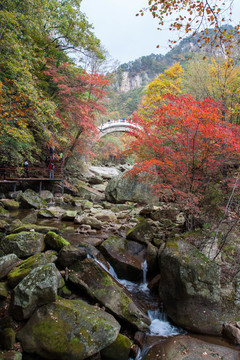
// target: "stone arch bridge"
[[122, 125]]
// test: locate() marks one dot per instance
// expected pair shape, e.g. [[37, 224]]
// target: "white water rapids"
[[160, 326]]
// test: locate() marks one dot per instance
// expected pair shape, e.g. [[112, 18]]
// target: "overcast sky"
[[125, 36]]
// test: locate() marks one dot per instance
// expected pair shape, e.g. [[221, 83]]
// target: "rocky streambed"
[[88, 279]]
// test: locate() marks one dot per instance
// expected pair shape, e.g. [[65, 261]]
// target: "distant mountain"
[[130, 79], [140, 72]]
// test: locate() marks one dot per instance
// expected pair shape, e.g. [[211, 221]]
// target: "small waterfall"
[[160, 326], [144, 285]]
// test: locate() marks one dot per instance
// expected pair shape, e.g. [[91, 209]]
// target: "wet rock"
[[55, 241], [18, 273], [142, 232], [119, 349], [125, 256], [69, 254], [38, 288], [190, 288], [99, 285], [7, 263], [30, 199], [68, 329], [9, 204], [185, 347], [23, 244]]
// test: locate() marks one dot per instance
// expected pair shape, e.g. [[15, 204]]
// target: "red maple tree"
[[188, 144], [79, 100]]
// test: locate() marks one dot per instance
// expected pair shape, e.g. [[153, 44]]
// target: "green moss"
[[119, 349], [23, 269], [55, 241]]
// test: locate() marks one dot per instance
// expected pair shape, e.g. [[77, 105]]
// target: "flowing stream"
[[160, 325]]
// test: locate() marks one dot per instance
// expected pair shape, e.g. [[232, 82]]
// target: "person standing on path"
[[51, 168], [26, 167]]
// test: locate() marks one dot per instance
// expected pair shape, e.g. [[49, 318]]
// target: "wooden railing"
[[19, 173]]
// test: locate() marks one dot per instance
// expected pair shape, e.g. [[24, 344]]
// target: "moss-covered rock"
[[23, 244], [119, 349], [39, 287], [142, 232], [93, 279], [45, 214], [9, 204], [22, 270], [190, 288], [55, 241], [30, 199], [68, 329]]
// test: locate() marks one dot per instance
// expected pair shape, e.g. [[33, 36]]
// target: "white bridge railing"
[[122, 125]]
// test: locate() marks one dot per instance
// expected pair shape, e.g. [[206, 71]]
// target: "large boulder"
[[38, 288], [68, 329], [104, 172], [30, 199], [23, 244], [7, 263], [99, 285], [187, 348], [190, 288], [125, 256], [131, 188], [19, 272]]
